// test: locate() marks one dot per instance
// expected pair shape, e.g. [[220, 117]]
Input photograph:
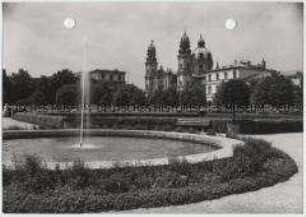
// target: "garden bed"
[[32, 188]]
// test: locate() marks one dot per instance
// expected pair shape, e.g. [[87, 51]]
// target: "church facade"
[[197, 64]]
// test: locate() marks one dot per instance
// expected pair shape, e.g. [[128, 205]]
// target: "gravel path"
[[286, 197]]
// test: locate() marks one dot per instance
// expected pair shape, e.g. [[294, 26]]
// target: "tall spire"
[[201, 42], [151, 52], [184, 44]]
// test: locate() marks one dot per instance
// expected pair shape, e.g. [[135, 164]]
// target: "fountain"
[[105, 145], [70, 23], [85, 98]]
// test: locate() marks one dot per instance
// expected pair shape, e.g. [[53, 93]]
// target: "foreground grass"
[[31, 188]]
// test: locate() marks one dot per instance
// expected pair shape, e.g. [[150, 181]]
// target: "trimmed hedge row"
[[260, 126], [40, 119], [161, 123]]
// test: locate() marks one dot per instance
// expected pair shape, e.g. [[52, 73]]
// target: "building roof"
[[107, 71]]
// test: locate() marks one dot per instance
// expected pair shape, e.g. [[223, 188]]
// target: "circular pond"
[[102, 148]]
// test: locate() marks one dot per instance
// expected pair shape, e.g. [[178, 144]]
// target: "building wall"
[[108, 75], [214, 78]]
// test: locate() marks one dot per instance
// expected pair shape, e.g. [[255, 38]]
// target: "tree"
[[22, 85], [6, 97], [129, 95], [193, 94], [60, 78], [64, 76], [233, 93], [275, 90], [102, 92], [164, 97], [68, 94], [37, 98], [44, 87]]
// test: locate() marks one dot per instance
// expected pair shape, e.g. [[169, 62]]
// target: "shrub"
[[211, 132], [7, 175], [79, 176], [248, 159]]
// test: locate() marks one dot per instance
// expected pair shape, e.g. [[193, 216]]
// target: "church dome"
[[201, 51], [203, 54]]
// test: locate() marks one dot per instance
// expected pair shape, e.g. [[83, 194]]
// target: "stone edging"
[[225, 145]]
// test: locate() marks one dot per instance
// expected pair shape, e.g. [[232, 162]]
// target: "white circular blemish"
[[69, 23], [230, 24]]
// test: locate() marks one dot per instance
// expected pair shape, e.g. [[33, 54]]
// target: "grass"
[[32, 188]]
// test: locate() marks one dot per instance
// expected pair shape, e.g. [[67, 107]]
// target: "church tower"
[[203, 60], [151, 68], [184, 62]]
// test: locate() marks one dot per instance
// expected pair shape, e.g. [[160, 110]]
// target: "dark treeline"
[[63, 87]]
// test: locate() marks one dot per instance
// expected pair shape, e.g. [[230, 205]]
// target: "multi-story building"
[[108, 75], [244, 70], [197, 64]]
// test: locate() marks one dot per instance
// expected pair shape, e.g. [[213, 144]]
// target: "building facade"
[[156, 78], [108, 75], [197, 64]]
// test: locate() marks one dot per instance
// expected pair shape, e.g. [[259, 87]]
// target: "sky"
[[118, 34]]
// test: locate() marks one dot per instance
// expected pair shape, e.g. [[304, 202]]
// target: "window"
[[225, 75], [201, 55], [209, 77], [209, 90], [111, 77], [204, 78], [200, 67], [217, 76], [187, 65], [235, 74], [181, 66]]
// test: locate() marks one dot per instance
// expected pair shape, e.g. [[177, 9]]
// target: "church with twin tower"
[[197, 64]]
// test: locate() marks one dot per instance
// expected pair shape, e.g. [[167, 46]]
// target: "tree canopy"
[[233, 93], [274, 90], [193, 94], [129, 95]]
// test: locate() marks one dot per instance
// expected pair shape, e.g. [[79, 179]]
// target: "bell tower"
[[151, 68], [184, 62]]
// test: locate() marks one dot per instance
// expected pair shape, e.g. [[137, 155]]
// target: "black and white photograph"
[[152, 107]]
